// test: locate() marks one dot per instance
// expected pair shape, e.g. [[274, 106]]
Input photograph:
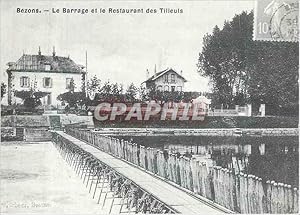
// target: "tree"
[[223, 58], [73, 98], [93, 86], [143, 93], [274, 77], [3, 89], [31, 98], [242, 70], [131, 93]]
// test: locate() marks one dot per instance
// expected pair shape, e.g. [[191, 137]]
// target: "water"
[[271, 158]]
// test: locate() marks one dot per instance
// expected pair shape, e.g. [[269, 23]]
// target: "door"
[[49, 99]]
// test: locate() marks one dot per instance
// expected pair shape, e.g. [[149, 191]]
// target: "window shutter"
[[44, 82], [51, 82], [21, 82]]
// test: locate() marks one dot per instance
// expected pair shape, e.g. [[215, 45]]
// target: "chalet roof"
[[203, 99], [38, 63], [161, 73]]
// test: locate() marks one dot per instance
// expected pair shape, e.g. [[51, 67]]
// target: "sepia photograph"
[[149, 107]]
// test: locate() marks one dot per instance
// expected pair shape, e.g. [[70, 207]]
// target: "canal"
[[268, 157]]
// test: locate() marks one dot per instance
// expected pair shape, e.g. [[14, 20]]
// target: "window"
[[24, 81], [179, 88], [172, 78], [166, 78], [173, 88], [166, 88], [68, 83], [159, 88], [47, 82]]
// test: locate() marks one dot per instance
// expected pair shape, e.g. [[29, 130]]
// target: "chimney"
[[181, 72], [40, 51], [147, 74], [155, 70], [53, 53]]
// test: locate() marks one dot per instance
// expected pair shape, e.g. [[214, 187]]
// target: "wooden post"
[[281, 198], [216, 183], [188, 174], [262, 196], [237, 192], [290, 198], [177, 171], [182, 179], [242, 193], [199, 179], [170, 166], [296, 200], [232, 190], [142, 156], [194, 175], [274, 197]]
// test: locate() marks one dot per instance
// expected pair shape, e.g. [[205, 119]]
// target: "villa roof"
[[37, 63], [161, 73]]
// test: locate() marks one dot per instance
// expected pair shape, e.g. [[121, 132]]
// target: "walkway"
[[170, 195]]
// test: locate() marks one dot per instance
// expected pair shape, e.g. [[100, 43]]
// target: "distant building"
[[202, 102], [52, 74], [166, 80]]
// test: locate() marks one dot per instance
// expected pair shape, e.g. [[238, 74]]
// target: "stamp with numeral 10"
[[276, 20]]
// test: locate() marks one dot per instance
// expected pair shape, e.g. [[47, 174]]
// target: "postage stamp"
[[276, 20]]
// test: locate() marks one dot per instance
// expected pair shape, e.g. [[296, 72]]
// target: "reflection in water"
[[271, 158]]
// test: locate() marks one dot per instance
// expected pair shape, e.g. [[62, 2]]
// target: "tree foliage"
[[131, 92], [245, 71], [32, 97], [3, 89], [114, 92], [73, 98]]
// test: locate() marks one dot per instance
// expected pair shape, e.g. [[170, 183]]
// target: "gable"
[[164, 72]]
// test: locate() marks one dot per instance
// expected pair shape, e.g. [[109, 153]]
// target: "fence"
[[236, 191], [116, 193]]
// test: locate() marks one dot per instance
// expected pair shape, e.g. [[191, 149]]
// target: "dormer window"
[[47, 67]]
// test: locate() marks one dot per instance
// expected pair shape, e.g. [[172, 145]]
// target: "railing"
[[236, 191], [240, 111]]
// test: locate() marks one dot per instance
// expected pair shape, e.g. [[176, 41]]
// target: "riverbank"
[[209, 122], [198, 132]]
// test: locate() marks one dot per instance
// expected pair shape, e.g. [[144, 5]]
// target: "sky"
[[120, 47]]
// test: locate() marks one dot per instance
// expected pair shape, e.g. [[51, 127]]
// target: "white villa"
[[166, 80], [51, 74]]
